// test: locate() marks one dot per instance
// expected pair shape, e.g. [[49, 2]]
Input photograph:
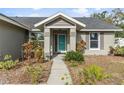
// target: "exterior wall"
[[81, 36], [51, 43], [59, 22], [11, 39], [68, 40], [73, 39], [107, 40], [47, 43]]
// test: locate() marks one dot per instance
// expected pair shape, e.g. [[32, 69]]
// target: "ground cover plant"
[[113, 70], [31, 70], [35, 73], [91, 74], [7, 63]]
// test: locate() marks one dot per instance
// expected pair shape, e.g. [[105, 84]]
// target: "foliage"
[[35, 72], [7, 57], [66, 78], [119, 34], [32, 49], [116, 17], [35, 43], [36, 36], [111, 50], [102, 16], [38, 53], [27, 49], [81, 46], [119, 51], [8, 63], [91, 74], [73, 63], [74, 56]]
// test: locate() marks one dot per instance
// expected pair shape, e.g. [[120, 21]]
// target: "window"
[[94, 40], [36, 36]]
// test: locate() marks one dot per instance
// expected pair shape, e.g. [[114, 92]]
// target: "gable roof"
[[11, 21], [91, 23], [60, 15]]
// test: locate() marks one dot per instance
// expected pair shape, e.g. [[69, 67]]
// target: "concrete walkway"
[[59, 72]]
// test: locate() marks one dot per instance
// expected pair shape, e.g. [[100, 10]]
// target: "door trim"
[[58, 43]]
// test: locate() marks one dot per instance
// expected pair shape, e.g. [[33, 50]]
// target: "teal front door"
[[61, 43]]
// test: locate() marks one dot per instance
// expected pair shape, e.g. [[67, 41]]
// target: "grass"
[[111, 64]]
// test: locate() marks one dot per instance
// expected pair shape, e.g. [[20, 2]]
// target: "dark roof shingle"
[[91, 23]]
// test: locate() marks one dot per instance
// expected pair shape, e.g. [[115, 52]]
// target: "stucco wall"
[[11, 39], [59, 22], [107, 42]]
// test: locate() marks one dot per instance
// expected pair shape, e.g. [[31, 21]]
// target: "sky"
[[45, 12]]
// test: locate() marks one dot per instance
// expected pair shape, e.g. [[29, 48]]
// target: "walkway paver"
[[59, 72]]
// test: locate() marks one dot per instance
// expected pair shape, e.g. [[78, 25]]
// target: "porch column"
[[47, 43], [73, 39]]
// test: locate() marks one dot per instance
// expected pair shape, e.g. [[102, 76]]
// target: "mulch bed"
[[113, 65], [18, 74]]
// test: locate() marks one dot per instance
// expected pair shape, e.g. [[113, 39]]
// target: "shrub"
[[74, 56], [32, 49], [119, 51], [7, 57], [27, 50], [111, 50], [8, 63], [92, 73], [35, 73], [38, 54], [81, 46]]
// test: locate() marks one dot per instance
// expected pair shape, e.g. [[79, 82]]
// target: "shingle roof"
[[12, 21], [91, 23]]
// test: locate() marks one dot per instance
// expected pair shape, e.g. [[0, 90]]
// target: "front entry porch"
[[60, 40], [60, 43], [66, 28]]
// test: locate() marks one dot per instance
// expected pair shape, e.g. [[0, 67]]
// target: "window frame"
[[91, 40], [36, 33]]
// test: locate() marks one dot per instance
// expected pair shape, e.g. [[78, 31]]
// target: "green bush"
[[74, 56], [8, 63], [92, 73], [35, 73], [119, 51]]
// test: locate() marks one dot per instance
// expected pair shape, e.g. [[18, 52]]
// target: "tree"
[[102, 16], [116, 17]]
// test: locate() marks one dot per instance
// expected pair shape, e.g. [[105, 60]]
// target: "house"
[[12, 35], [62, 32]]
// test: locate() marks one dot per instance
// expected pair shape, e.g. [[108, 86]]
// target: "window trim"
[[36, 33], [98, 41]]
